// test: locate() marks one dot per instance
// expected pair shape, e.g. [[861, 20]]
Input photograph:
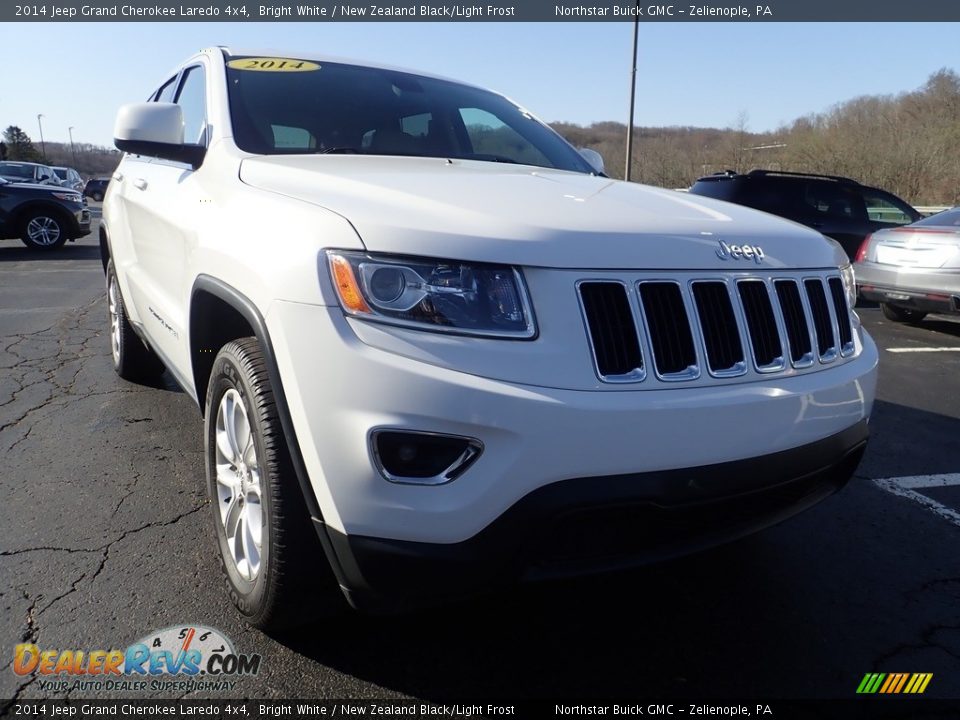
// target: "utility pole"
[[43, 146], [73, 150], [633, 92]]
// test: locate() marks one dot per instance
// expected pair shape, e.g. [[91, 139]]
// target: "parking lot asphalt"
[[105, 536]]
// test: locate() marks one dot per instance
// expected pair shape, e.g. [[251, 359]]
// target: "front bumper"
[[918, 289], [81, 223], [598, 524], [650, 472]]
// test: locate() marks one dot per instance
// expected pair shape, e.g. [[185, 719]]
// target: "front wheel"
[[901, 314], [273, 564], [43, 230]]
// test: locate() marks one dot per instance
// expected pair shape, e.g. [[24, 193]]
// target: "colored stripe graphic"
[[894, 683], [903, 680]]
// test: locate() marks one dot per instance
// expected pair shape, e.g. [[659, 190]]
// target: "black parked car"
[[42, 217], [96, 188], [839, 207]]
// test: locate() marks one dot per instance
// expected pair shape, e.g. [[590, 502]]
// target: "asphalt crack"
[[32, 630], [927, 641]]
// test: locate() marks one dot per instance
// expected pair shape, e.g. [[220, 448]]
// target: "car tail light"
[[862, 252]]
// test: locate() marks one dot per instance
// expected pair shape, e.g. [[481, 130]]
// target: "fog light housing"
[[422, 458]]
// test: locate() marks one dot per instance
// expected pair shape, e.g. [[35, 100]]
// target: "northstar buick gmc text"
[[436, 348]]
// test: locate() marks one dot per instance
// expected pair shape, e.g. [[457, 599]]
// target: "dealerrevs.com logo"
[[179, 658]]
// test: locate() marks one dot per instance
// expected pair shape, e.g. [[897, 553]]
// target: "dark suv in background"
[[839, 207], [43, 217], [96, 188]]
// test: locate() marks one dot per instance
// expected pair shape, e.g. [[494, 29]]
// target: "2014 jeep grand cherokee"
[[436, 348]]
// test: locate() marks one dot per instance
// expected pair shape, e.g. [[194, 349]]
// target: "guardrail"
[[926, 210]]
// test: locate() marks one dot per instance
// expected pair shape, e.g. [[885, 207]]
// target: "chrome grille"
[[826, 344], [613, 335], [843, 317], [718, 323], [795, 322], [731, 325], [671, 339], [761, 325]]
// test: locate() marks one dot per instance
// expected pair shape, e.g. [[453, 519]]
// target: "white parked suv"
[[436, 348]]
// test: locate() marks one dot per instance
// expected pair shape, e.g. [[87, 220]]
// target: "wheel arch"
[[105, 252], [23, 211], [218, 310]]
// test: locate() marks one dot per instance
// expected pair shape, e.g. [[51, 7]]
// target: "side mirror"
[[594, 158], [155, 130]]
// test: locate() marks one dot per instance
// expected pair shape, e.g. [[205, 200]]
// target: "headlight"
[[69, 197], [442, 295], [849, 285]]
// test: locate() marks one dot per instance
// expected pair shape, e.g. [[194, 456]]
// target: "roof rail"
[[838, 178]]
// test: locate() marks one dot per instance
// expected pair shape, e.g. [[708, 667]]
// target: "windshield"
[[337, 108], [947, 218], [17, 171], [61, 173]]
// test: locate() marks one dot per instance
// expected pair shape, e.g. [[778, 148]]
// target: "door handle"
[[140, 184], [118, 177]]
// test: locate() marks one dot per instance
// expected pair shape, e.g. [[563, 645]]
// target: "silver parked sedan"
[[913, 270]]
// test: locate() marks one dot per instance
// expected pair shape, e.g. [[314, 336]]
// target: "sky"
[[695, 74]]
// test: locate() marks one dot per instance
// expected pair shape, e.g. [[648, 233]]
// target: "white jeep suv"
[[436, 348]]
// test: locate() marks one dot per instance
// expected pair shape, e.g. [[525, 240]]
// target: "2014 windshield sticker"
[[178, 658], [263, 64]]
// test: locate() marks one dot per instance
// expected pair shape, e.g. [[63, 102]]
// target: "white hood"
[[518, 215]]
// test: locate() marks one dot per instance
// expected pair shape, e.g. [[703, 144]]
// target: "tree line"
[[908, 144], [88, 160]]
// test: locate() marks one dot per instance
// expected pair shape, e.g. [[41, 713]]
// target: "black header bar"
[[482, 11]]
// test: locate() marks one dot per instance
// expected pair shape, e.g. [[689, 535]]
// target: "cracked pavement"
[[106, 535]]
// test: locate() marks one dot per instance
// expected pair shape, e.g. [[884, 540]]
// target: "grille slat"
[[613, 333], [826, 345], [842, 313], [721, 337], [761, 324], [670, 336], [795, 320]]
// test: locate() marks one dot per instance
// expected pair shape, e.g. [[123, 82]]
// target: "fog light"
[[422, 458]]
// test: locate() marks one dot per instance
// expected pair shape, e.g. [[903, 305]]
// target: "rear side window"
[[719, 189], [835, 201], [883, 208]]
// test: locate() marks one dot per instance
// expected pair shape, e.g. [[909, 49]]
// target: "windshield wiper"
[[491, 158], [338, 151]]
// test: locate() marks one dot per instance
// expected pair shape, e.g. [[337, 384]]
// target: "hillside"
[[908, 144]]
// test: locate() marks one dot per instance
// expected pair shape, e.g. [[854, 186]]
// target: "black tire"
[[43, 230], [132, 360], [293, 582], [901, 314]]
